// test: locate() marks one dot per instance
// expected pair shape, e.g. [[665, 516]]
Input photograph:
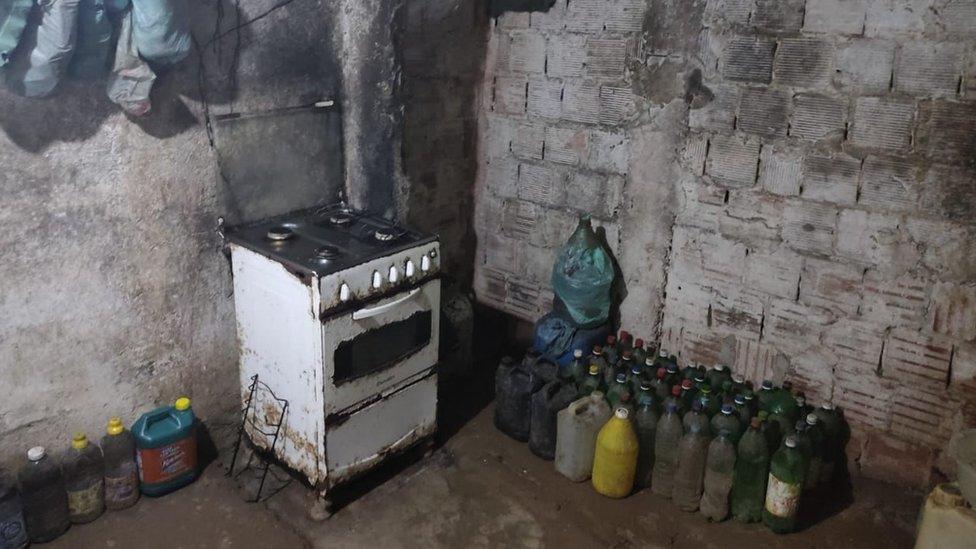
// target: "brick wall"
[[789, 186]]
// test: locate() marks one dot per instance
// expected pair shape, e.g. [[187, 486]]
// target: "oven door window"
[[381, 347]]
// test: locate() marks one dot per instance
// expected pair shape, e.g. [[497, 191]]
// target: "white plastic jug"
[[576, 429]]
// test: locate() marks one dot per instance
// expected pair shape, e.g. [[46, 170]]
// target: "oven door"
[[373, 351]]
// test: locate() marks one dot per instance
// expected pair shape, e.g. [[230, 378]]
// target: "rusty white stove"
[[337, 312]]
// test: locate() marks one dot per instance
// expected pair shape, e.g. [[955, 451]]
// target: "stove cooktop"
[[325, 240]]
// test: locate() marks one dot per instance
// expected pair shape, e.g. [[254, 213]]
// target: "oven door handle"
[[370, 312]]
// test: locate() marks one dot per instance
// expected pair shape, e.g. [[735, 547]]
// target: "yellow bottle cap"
[[79, 442], [182, 404], [115, 426]]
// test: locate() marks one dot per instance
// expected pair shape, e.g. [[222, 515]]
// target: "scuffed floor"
[[480, 489]]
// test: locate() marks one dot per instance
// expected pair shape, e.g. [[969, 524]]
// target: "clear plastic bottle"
[[121, 473], [666, 439], [694, 417], [751, 470], [688, 481], [13, 532], [84, 479], [646, 420], [618, 391], [727, 421], [44, 497], [783, 488], [660, 384], [719, 469]]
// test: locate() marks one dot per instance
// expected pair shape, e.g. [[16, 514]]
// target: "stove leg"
[[321, 507]]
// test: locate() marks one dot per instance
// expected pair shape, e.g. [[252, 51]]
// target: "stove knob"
[[377, 279], [425, 263], [394, 274], [409, 269], [344, 293]]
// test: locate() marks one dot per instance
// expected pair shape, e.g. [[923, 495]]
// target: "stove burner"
[[280, 233], [341, 219], [387, 234], [327, 252]]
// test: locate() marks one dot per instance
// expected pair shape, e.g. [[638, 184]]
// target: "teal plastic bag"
[[13, 19], [583, 276]]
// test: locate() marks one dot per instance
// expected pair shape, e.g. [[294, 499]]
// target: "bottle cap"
[[812, 419], [718, 368], [686, 384], [626, 355], [748, 395], [699, 379], [800, 401], [622, 413], [827, 406], [726, 410], [115, 426], [790, 441], [763, 415], [621, 378], [597, 395], [662, 353], [661, 372], [597, 350], [676, 390], [767, 385], [645, 386], [182, 404], [578, 353], [738, 379], [79, 441], [740, 400], [635, 369], [801, 426], [594, 369], [649, 361], [671, 369], [36, 453], [624, 335], [705, 389], [755, 423], [638, 342], [611, 339]]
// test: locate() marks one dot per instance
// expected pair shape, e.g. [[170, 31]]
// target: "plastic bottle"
[[830, 421], [44, 497], [718, 375], [675, 398], [666, 439], [691, 469], [751, 470], [816, 435], [546, 403], [688, 394], [615, 459], [804, 445], [513, 397], [166, 448], [610, 351], [592, 382], [635, 377], [577, 427], [84, 479], [646, 420], [640, 354], [766, 392], [121, 472], [727, 421], [738, 385], [627, 363], [577, 368], [617, 391], [771, 432], [645, 392], [742, 411], [13, 532], [784, 486], [598, 359], [751, 403], [696, 417], [719, 469], [710, 403], [625, 341], [661, 387]]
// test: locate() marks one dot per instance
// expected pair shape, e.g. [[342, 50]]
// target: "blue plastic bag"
[[583, 276], [557, 337], [161, 30]]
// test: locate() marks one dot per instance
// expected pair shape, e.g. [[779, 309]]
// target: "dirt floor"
[[481, 489]]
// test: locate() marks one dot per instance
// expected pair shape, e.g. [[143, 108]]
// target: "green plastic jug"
[[166, 448]]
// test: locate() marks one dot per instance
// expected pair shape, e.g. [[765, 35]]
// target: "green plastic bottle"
[[751, 470], [711, 404], [766, 392], [617, 391], [646, 420], [577, 368], [771, 432], [830, 420], [598, 359], [688, 394], [718, 375], [592, 382], [742, 411], [611, 352], [639, 353], [816, 436], [784, 487], [804, 444]]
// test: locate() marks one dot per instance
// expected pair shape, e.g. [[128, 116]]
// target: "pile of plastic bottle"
[[629, 418], [158, 455]]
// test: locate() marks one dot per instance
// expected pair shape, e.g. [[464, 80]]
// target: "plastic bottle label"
[[12, 531], [85, 501], [782, 498], [157, 465], [123, 486]]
